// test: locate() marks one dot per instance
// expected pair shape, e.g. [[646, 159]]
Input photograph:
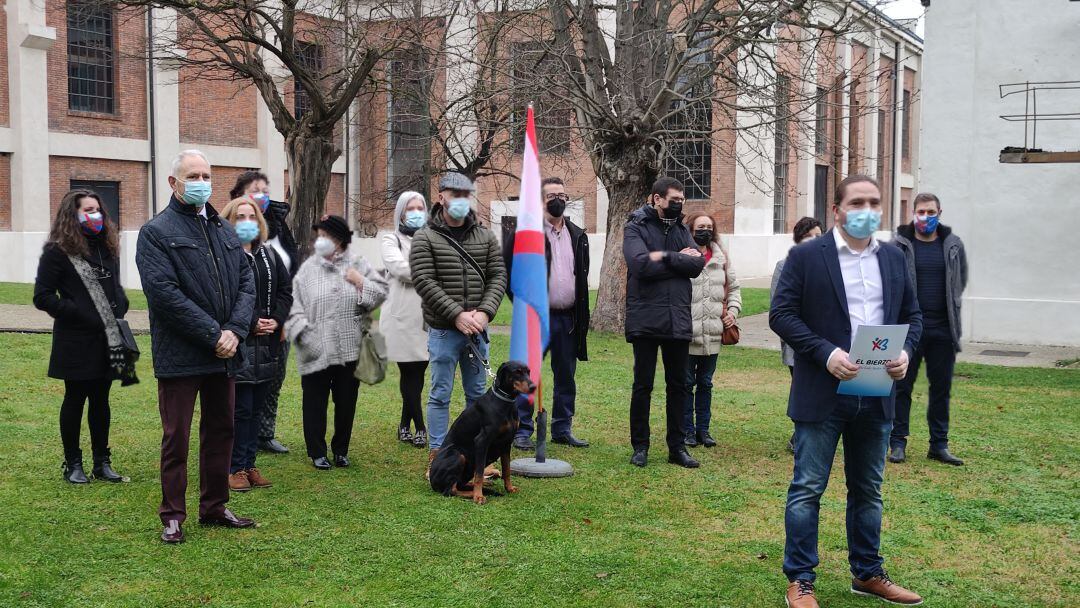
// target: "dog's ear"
[[502, 377]]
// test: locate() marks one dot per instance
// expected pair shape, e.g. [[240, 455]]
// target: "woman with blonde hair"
[[402, 321], [715, 304], [78, 284], [262, 355]]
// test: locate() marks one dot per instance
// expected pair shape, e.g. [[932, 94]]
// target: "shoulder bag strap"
[[97, 296], [468, 259]]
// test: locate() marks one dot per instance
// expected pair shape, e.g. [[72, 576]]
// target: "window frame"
[[781, 154], [100, 61], [301, 101]]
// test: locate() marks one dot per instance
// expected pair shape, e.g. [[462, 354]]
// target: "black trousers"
[[76, 393], [411, 385], [938, 350], [336, 380], [675, 354]]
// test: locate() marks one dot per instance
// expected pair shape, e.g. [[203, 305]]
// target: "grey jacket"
[[787, 354], [956, 270]]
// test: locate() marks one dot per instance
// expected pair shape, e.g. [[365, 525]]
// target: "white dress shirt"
[[862, 284]]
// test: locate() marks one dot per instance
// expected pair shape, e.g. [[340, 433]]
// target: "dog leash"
[[474, 353]]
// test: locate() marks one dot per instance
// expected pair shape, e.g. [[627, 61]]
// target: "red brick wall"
[[223, 179], [4, 101], [909, 86], [5, 191], [217, 112], [130, 117], [335, 196], [885, 102], [131, 175]]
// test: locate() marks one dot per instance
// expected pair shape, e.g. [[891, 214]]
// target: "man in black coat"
[[567, 250], [660, 261], [200, 294]]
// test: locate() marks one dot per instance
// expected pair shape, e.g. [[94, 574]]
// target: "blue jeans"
[[865, 432], [699, 375], [446, 348], [249, 402], [562, 349]]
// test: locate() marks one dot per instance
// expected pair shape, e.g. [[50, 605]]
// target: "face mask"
[[863, 223], [458, 208], [926, 224], [247, 230], [262, 199], [673, 211], [92, 223], [196, 193], [703, 237], [556, 207], [415, 219], [324, 247]]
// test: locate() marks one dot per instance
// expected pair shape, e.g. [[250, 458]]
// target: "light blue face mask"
[[862, 223], [458, 208], [247, 230], [196, 193], [416, 219]]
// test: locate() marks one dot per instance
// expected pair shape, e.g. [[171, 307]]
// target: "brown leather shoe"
[[257, 480], [882, 587], [430, 459], [173, 533], [239, 482], [227, 520], [800, 594]]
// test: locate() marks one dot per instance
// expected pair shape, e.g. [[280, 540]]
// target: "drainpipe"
[[897, 91], [152, 116]]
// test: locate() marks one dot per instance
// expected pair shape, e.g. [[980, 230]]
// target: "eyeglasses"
[[676, 200], [561, 197]]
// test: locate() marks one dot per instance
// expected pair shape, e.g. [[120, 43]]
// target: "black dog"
[[481, 435]]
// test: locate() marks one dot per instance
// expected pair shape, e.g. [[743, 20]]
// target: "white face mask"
[[325, 247]]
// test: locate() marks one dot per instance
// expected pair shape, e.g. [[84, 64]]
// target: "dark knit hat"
[[335, 226]]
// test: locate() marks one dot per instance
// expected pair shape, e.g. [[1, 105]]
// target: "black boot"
[[72, 470], [103, 467]]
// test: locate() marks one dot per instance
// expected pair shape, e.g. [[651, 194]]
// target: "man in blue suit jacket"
[[830, 286]]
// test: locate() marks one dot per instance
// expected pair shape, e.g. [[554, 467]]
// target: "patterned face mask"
[[92, 223]]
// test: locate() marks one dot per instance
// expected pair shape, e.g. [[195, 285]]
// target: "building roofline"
[[893, 24]]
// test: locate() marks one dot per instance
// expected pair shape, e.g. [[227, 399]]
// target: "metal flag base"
[[541, 466]]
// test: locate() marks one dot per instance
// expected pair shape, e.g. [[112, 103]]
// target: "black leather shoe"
[[173, 533], [341, 461], [640, 458], [420, 439], [524, 444], [705, 439], [227, 520], [683, 458], [73, 472], [570, 440], [272, 446], [103, 468], [690, 440], [897, 454], [403, 435], [943, 455], [321, 463]]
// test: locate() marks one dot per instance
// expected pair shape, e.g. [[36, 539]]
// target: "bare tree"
[[645, 75], [326, 49]]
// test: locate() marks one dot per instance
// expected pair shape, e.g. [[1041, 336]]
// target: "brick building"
[[80, 105]]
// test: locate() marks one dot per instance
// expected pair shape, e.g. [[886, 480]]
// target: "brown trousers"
[[176, 403]]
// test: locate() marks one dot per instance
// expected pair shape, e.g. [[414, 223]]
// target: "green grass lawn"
[[1001, 531]]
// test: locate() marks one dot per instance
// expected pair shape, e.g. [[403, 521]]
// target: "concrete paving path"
[[755, 334]]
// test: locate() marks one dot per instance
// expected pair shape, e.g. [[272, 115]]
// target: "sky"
[[906, 9]]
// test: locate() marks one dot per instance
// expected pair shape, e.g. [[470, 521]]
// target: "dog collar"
[[501, 395]]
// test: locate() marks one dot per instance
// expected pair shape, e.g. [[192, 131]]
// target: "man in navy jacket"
[[830, 286]]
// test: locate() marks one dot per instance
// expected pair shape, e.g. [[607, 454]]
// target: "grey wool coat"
[[328, 312]]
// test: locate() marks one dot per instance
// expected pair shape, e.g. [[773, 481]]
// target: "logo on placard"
[[880, 344]]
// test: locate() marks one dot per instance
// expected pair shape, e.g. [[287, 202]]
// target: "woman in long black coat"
[[80, 349]]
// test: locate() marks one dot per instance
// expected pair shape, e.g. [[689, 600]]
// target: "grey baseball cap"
[[455, 181]]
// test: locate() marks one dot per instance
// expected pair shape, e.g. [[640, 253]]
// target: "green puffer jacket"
[[446, 283]]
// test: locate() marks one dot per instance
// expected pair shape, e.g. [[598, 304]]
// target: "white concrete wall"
[[1019, 222]]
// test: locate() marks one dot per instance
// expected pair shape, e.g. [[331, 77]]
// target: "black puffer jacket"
[[658, 293], [198, 283], [447, 285], [80, 350], [273, 299], [278, 228]]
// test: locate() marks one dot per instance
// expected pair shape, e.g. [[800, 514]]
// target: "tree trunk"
[[310, 158], [624, 196]]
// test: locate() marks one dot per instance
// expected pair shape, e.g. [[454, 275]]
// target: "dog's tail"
[[446, 469]]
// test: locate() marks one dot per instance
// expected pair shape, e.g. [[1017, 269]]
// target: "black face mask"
[[673, 211], [703, 237], [556, 207]]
